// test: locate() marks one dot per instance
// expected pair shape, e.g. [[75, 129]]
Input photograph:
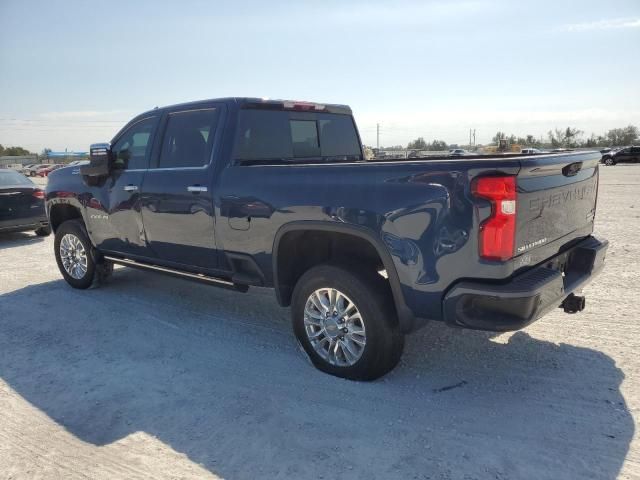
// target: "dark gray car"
[[21, 204], [624, 155]]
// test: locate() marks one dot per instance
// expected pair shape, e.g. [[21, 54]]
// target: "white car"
[[31, 171]]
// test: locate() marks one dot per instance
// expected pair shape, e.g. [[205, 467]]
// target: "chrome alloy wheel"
[[73, 256], [334, 327]]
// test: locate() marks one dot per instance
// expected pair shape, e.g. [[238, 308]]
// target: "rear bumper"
[[526, 297], [23, 224]]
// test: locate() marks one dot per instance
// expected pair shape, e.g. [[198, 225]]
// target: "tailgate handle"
[[572, 169]]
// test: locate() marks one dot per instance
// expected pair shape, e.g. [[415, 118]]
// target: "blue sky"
[[72, 72]]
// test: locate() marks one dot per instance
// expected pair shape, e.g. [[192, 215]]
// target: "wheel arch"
[[61, 212], [282, 280]]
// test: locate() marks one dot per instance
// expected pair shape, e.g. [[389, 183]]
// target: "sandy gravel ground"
[[156, 377]]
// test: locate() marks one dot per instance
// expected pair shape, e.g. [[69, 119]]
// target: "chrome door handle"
[[196, 188], [130, 188]]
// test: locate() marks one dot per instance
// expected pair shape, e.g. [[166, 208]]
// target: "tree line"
[[420, 144], [574, 138], [13, 151], [557, 138]]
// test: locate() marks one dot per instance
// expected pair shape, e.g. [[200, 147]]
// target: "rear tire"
[[74, 254], [340, 350]]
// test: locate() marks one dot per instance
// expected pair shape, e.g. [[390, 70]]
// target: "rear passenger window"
[[188, 138]]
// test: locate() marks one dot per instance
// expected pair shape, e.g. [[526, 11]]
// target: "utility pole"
[[469, 138], [474, 138], [378, 136]]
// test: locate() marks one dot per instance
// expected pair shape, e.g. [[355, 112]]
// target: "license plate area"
[[579, 262], [559, 263]]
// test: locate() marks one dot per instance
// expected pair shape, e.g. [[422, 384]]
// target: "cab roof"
[[262, 103]]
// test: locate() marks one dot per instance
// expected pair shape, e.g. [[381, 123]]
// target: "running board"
[[198, 277]]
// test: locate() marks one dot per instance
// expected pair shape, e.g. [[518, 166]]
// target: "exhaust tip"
[[573, 304]]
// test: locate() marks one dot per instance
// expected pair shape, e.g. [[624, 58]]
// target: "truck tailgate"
[[556, 198]]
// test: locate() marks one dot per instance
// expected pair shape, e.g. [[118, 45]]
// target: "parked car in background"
[[76, 163], [624, 155], [21, 204], [529, 151], [44, 172], [25, 168], [41, 169], [33, 169]]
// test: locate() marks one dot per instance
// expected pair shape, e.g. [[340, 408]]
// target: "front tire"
[[74, 254], [346, 323], [609, 161]]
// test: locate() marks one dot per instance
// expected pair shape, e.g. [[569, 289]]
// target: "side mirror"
[[99, 160]]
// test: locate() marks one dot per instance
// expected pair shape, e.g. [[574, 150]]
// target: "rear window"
[[338, 136], [10, 178], [304, 138], [290, 136]]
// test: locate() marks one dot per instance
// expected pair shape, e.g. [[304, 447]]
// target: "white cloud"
[[610, 24]]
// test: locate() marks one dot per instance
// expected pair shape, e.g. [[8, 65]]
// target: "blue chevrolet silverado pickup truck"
[[240, 192]]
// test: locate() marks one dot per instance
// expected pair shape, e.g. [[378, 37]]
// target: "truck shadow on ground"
[[18, 239], [217, 376]]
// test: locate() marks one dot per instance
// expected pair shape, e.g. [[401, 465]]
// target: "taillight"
[[38, 193], [497, 233]]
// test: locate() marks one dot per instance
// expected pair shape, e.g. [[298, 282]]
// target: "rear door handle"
[[130, 188], [196, 188]]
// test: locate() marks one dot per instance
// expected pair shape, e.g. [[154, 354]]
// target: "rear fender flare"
[[406, 318]]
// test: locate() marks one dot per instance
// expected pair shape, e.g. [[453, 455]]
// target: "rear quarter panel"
[[422, 211]]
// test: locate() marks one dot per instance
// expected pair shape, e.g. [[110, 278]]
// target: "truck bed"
[[421, 210]]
